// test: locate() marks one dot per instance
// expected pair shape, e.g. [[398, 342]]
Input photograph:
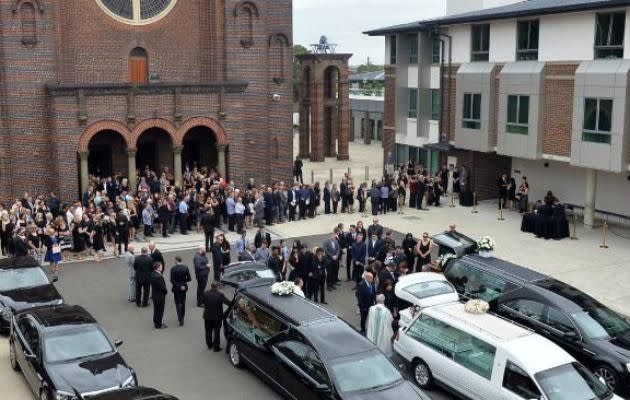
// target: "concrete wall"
[[461, 43], [567, 37], [568, 184], [503, 41]]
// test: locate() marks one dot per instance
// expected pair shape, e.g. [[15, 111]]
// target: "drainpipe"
[[449, 38]]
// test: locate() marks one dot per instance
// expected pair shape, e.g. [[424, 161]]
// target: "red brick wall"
[[494, 122], [450, 101], [558, 110], [198, 41]]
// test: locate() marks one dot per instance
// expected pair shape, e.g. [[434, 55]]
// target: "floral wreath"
[[283, 288], [441, 262], [486, 243]]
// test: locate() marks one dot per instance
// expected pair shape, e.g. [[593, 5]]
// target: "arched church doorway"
[[107, 154], [200, 149], [155, 151]]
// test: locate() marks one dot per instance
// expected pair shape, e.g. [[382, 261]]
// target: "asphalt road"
[[174, 360]]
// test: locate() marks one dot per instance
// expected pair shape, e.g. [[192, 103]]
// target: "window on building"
[[392, 50], [472, 111], [435, 104], [518, 382], [413, 48], [527, 40], [461, 347], [480, 49], [597, 120], [138, 66], [28, 21], [436, 50], [518, 115], [609, 32], [413, 103]]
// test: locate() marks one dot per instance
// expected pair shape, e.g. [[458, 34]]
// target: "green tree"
[[369, 68], [298, 49]]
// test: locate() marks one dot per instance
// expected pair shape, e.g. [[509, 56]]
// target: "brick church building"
[[112, 86]]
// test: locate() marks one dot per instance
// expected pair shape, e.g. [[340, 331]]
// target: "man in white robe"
[[379, 326]]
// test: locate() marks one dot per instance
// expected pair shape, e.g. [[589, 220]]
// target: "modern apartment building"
[[536, 88]]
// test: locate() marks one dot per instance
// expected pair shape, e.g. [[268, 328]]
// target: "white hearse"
[[480, 356]]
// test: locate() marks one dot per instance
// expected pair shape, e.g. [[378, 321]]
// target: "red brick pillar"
[[343, 137], [331, 126], [366, 128], [389, 117], [317, 118], [304, 151]]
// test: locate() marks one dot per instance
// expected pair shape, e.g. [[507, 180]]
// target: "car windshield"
[[601, 323], [68, 345], [423, 290], [11, 279], [350, 372], [571, 382]]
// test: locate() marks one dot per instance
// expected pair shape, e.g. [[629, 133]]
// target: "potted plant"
[[486, 245]]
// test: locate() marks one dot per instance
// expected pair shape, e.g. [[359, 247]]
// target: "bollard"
[[474, 210], [501, 211], [349, 171], [604, 234], [312, 176], [452, 200], [331, 176], [573, 235], [367, 173]]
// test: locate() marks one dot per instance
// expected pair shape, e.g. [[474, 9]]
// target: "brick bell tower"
[[324, 103]]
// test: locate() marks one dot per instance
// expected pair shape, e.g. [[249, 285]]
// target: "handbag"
[[56, 249]]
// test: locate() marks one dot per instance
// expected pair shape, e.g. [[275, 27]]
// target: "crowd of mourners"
[[111, 214]]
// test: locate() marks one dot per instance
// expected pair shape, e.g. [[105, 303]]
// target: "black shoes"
[[163, 326]]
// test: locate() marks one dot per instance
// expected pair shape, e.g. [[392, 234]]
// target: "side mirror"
[[118, 343], [321, 388], [571, 335], [30, 357], [55, 279]]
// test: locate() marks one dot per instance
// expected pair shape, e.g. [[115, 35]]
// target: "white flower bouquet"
[[477, 306], [441, 262], [486, 243], [283, 288]]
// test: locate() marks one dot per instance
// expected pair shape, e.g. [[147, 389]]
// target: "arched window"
[[279, 50], [28, 21], [245, 13], [138, 66]]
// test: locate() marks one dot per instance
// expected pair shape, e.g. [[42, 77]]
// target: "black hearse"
[[305, 352]]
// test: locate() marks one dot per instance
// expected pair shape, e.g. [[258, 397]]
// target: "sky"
[[343, 22]]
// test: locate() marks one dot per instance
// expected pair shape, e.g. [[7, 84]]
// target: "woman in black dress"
[[423, 249], [78, 238], [98, 242], [409, 247]]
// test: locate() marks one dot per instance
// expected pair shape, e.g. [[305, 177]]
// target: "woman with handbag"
[[53, 251]]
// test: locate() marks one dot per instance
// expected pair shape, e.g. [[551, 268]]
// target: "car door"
[[29, 353], [566, 335], [301, 371], [517, 384], [528, 312], [253, 327]]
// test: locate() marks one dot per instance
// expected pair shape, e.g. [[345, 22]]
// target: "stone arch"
[[161, 123], [246, 5], [37, 3], [245, 15], [92, 130], [211, 123], [279, 45]]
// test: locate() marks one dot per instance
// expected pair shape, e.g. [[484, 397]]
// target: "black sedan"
[[65, 354], [137, 393], [24, 284]]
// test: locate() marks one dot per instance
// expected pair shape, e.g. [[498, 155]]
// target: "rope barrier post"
[[452, 200], [331, 176], [425, 202], [367, 173], [573, 235], [604, 234], [474, 210], [312, 176], [349, 171], [500, 211]]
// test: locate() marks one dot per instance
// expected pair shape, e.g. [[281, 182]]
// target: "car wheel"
[[609, 375], [422, 374], [12, 358], [45, 395], [235, 355]]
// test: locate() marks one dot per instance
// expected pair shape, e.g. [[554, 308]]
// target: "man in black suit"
[[158, 287], [200, 262], [375, 246], [156, 255], [180, 276], [366, 296], [293, 199], [207, 222], [213, 301], [317, 277], [122, 226], [261, 236], [350, 238], [143, 265], [375, 228], [502, 184]]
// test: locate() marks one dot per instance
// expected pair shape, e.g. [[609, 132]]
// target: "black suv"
[[305, 352], [64, 354], [592, 333], [137, 393], [24, 284]]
